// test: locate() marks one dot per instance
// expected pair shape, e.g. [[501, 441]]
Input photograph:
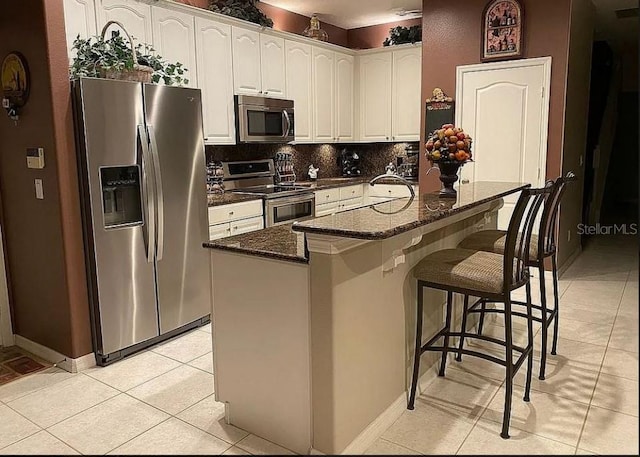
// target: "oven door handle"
[[287, 123], [277, 202]]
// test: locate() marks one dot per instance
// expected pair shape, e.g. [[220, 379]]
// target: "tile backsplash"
[[373, 156]]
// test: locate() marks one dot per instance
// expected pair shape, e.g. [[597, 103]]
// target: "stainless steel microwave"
[[264, 120]]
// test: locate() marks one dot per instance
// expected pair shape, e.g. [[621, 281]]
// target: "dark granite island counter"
[[313, 351]]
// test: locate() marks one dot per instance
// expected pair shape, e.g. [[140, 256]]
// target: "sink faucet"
[[397, 178]]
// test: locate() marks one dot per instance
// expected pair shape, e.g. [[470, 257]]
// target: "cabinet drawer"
[[327, 196], [351, 203], [350, 192], [327, 208], [389, 191], [236, 211], [247, 225], [219, 231]]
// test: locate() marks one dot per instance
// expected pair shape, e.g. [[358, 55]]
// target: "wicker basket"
[[139, 73]]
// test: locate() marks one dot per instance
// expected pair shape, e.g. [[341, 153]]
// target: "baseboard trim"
[[54, 357]]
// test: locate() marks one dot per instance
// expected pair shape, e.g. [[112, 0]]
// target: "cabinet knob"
[[387, 138], [266, 92], [231, 213]]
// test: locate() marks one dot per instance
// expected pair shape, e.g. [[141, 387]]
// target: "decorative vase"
[[448, 177]]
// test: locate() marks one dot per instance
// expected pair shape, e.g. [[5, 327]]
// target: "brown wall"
[[456, 41], [374, 36], [44, 251], [575, 123]]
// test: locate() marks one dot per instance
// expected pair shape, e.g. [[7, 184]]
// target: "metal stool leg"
[[418, 348], [544, 329], [508, 392], [483, 307], [443, 363], [556, 299], [530, 343], [463, 327]]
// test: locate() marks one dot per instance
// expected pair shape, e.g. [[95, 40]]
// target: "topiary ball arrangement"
[[241, 9]]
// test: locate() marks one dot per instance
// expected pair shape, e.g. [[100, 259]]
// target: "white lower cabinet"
[[235, 219], [219, 231], [327, 208], [384, 192], [247, 225], [337, 199], [352, 203]]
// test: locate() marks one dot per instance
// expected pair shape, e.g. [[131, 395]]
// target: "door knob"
[[464, 181]]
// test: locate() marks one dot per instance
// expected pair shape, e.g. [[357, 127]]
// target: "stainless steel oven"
[[264, 120], [285, 210]]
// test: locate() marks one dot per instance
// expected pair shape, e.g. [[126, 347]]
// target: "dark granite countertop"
[[385, 220], [278, 242], [229, 197], [328, 183]]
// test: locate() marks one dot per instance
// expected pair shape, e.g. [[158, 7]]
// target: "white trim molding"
[[6, 330], [54, 357]]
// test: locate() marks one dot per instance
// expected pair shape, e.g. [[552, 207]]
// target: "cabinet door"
[[174, 39], [352, 203], [246, 61], [323, 95], [247, 225], [134, 15], [344, 97], [213, 46], [407, 84], [219, 231], [299, 87], [327, 208], [272, 66], [375, 97], [79, 19]]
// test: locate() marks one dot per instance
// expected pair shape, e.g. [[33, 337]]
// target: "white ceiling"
[[350, 14]]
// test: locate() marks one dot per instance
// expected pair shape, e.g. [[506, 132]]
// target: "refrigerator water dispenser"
[[121, 196]]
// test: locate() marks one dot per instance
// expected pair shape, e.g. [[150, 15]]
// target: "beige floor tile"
[[584, 332], [545, 415], [618, 394], [621, 363], [53, 404], [575, 353], [598, 294], [106, 426], [42, 443], [208, 415], [204, 363], [133, 371], [384, 447], [625, 334], [629, 302], [584, 313], [609, 432], [464, 392], [173, 437], [233, 450], [14, 427], [176, 390], [186, 347], [584, 452], [33, 383], [258, 446], [430, 429], [485, 439]]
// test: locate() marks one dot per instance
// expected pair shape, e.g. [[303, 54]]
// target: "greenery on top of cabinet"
[[241, 9], [403, 35]]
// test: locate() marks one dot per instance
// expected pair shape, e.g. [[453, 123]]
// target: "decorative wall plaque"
[[502, 30], [14, 77]]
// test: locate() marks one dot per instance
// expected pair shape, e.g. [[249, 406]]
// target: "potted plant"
[[403, 35], [449, 147], [241, 9], [117, 58]]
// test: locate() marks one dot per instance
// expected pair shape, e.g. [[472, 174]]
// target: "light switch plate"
[[39, 190], [35, 158]]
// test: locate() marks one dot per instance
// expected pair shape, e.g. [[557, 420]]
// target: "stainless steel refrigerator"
[[143, 181]]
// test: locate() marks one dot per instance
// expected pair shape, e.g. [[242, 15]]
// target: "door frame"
[[545, 63], [6, 329]]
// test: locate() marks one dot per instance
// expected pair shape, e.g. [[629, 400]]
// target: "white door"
[[246, 61], [324, 93], [174, 39], [406, 99], [299, 88], [79, 19], [344, 97], [213, 46], [272, 66], [134, 15], [375, 97], [505, 108]]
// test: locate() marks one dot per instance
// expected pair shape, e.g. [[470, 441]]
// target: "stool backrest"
[[516, 252], [547, 232]]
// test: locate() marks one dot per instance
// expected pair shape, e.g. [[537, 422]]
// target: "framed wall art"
[[502, 30]]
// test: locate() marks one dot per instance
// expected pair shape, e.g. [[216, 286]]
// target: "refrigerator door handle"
[[148, 198], [159, 192]]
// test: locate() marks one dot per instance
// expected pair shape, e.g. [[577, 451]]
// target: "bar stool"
[[488, 276], [541, 248]]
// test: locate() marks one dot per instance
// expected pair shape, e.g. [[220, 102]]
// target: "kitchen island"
[[313, 322]]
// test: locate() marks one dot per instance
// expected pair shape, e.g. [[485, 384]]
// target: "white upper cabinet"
[[174, 39], [407, 83], [323, 95], [213, 46], [272, 66], [299, 88], [135, 16], [375, 96], [344, 114], [246, 61], [79, 19]]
